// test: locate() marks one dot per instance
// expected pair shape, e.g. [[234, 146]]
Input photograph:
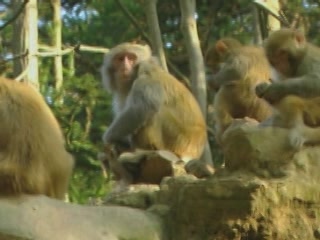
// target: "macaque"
[[302, 117], [297, 61], [215, 57], [153, 110], [297, 97], [33, 159], [242, 68]]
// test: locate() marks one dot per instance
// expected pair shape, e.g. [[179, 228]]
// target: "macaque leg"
[[291, 116], [124, 177], [223, 121]]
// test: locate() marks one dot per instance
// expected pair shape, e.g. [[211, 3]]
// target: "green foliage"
[[79, 107], [88, 185]]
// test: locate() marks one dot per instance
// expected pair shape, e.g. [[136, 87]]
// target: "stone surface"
[[41, 218]]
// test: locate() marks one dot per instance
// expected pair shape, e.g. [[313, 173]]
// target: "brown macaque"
[[297, 61], [302, 117], [153, 110], [297, 96], [243, 68], [33, 159], [216, 56]]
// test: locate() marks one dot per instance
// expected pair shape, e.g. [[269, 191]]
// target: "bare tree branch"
[[22, 55], [145, 36], [15, 16]]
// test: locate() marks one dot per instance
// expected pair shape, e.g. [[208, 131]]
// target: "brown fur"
[[243, 68], [33, 159], [297, 97], [157, 113], [216, 53]]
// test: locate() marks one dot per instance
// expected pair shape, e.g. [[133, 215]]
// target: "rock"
[[137, 196], [241, 206], [264, 150], [43, 218]]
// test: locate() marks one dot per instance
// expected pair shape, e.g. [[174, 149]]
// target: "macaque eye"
[[131, 56], [128, 56]]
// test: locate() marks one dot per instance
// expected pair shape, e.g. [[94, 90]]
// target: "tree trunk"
[[19, 40], [32, 43], [56, 5], [257, 37], [197, 69], [154, 30], [273, 23], [264, 19]]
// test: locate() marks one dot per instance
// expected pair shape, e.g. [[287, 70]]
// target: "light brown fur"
[[33, 159], [156, 112], [243, 68], [296, 97]]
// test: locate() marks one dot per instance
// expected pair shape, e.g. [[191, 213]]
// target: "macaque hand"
[[261, 89]]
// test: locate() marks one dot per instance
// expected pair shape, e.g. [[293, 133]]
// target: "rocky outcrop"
[[267, 191]]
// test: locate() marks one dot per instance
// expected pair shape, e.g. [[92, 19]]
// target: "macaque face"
[[280, 62], [123, 65]]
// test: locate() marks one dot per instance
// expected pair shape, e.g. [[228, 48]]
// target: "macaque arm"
[[143, 102], [305, 86], [233, 70]]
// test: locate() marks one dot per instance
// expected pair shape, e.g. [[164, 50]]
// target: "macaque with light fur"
[[153, 110], [33, 159], [238, 70], [297, 97]]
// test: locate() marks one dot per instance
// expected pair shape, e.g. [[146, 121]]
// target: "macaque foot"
[[261, 89], [296, 138], [199, 169], [119, 187]]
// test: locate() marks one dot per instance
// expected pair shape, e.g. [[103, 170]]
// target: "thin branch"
[[51, 52], [276, 15], [22, 55], [15, 16], [133, 21], [23, 74], [145, 36]]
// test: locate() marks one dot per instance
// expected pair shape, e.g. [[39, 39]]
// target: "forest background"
[[82, 107]]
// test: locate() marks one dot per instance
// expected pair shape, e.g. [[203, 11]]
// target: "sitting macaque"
[[153, 110], [214, 57], [297, 97], [33, 159], [241, 68]]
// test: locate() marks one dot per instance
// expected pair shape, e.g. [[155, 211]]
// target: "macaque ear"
[[221, 47], [299, 39]]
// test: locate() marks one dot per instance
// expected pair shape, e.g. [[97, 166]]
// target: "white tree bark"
[[19, 40], [154, 30], [257, 37], [273, 23], [58, 69], [197, 68], [32, 43]]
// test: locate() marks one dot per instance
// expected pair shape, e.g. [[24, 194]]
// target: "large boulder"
[[42, 218]]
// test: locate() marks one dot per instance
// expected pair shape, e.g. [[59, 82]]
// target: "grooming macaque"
[[297, 61], [153, 110], [297, 97], [241, 68], [33, 159]]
